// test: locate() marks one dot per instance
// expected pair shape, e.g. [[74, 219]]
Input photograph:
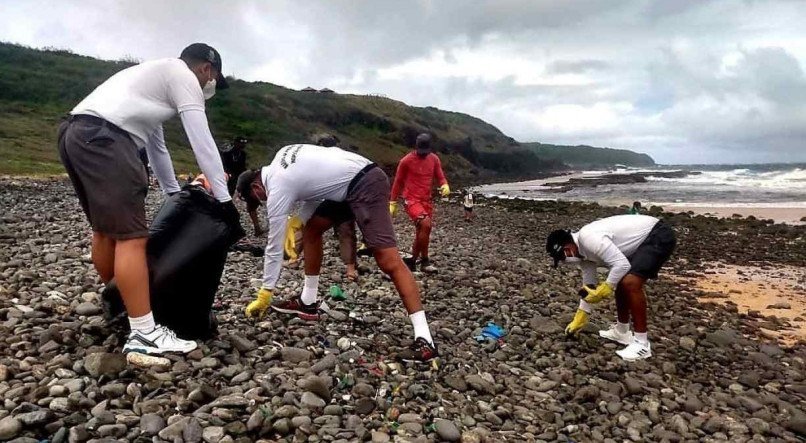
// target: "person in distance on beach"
[[98, 146], [635, 208], [334, 186], [467, 204], [633, 247], [414, 181], [233, 157]]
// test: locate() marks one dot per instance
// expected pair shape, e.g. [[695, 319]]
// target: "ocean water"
[[763, 185]]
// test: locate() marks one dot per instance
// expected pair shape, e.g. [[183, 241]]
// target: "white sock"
[[641, 337], [622, 328], [585, 306], [142, 324], [421, 326], [310, 289]]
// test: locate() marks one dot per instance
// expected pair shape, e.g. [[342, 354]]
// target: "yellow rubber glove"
[[445, 190], [392, 208], [579, 322], [258, 308], [601, 293], [293, 227]]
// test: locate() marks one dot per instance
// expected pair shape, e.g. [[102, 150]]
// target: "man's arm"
[[273, 258], [589, 276], [160, 161], [439, 174], [278, 206], [400, 177], [614, 259], [204, 148], [255, 222]]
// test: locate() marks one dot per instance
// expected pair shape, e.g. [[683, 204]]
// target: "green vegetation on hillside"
[[38, 87], [589, 156]]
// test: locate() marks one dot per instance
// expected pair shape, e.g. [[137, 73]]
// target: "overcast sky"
[[687, 81]]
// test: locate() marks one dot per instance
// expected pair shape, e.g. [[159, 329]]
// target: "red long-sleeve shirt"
[[415, 176]]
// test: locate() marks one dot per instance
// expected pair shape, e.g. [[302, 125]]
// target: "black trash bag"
[[187, 249]]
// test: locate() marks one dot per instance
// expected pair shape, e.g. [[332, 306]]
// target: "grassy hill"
[[589, 156], [38, 87]]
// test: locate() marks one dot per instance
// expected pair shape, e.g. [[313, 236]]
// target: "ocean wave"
[[792, 179]]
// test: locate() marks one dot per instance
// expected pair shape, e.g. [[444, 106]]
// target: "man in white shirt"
[[98, 146], [334, 186], [633, 247]]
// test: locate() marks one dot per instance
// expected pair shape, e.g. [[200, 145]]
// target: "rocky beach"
[[723, 369]]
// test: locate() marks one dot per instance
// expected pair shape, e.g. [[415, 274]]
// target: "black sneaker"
[[411, 263], [427, 267], [420, 351], [295, 306]]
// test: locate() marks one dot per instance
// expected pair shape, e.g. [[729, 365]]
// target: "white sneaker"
[[613, 334], [635, 351], [160, 340]]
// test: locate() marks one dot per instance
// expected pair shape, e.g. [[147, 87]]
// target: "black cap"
[[555, 243], [325, 139], [244, 188], [206, 53], [423, 143]]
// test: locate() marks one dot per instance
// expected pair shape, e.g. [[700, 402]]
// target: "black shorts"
[[469, 208], [109, 178], [368, 204], [656, 249]]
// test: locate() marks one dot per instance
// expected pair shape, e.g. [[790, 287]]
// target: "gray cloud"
[[684, 81]]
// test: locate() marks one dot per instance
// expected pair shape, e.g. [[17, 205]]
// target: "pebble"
[[337, 380], [10, 427], [447, 430]]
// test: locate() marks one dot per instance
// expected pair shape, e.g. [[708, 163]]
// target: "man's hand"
[[445, 190], [257, 309], [601, 293], [392, 208], [579, 322]]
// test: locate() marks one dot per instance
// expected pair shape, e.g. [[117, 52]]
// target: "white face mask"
[[571, 260], [209, 89]]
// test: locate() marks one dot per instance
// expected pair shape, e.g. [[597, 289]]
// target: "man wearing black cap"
[[333, 186], [98, 146], [414, 181], [633, 248], [233, 157]]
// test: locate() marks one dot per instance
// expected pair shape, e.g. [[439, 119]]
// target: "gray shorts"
[[109, 178], [368, 204]]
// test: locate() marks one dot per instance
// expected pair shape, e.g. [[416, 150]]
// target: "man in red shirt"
[[414, 180]]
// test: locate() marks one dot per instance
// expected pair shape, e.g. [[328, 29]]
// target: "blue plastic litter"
[[491, 332]]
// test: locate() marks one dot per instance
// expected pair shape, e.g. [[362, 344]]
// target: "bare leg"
[[391, 264], [347, 247], [422, 238], [634, 287], [312, 243], [622, 304], [103, 256], [131, 273]]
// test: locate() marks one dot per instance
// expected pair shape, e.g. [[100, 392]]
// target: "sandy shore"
[[780, 215], [759, 292]]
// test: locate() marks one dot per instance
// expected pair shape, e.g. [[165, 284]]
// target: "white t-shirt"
[[610, 242], [307, 174], [140, 98], [468, 202]]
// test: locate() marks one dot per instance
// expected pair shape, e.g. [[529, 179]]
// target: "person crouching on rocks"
[[334, 186], [633, 247]]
